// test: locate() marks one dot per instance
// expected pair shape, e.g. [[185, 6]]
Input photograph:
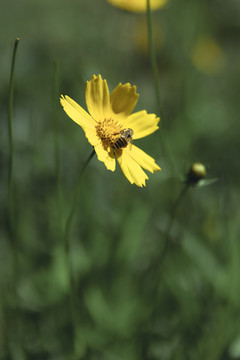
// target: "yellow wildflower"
[[137, 5], [207, 56], [110, 128], [140, 36]]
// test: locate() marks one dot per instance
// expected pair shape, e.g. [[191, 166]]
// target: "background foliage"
[[130, 303]]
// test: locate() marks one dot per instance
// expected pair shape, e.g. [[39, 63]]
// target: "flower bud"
[[196, 172]]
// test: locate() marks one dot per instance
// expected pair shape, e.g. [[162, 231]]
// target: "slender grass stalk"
[[155, 268], [55, 93], [10, 133], [74, 202], [171, 220], [14, 321], [68, 226], [153, 60]]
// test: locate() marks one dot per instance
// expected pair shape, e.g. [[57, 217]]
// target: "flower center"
[[109, 131]]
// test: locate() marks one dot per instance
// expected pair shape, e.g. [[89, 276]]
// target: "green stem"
[[10, 133], [14, 331], [153, 58], [55, 93], [154, 271], [74, 202], [73, 302], [171, 220]]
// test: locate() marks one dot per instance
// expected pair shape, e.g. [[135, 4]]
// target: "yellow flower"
[[110, 128], [137, 5], [207, 56], [140, 37]]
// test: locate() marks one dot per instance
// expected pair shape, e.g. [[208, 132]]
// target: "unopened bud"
[[196, 172]]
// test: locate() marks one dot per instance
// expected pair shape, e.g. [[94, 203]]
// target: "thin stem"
[[153, 58], [10, 133], [171, 220], [74, 202], [72, 299], [14, 321], [55, 92], [154, 271]]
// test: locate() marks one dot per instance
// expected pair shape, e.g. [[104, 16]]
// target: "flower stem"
[[171, 220], [74, 202], [68, 226], [14, 327], [55, 92], [10, 133], [155, 268], [153, 59]]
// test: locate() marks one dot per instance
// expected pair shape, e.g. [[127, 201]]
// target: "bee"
[[124, 139]]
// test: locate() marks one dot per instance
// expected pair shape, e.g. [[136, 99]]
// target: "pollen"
[[108, 131]]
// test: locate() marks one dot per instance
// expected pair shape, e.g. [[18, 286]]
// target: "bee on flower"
[[111, 128]]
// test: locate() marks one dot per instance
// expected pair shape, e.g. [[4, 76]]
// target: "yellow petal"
[[137, 5], [76, 112], [98, 98], [81, 117], [143, 159], [131, 169], [106, 155], [124, 99], [142, 124], [91, 135]]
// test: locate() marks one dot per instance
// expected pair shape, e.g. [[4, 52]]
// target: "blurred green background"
[[129, 303]]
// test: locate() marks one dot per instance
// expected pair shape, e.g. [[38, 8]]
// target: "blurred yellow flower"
[[137, 5], [110, 127], [140, 36], [207, 56]]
